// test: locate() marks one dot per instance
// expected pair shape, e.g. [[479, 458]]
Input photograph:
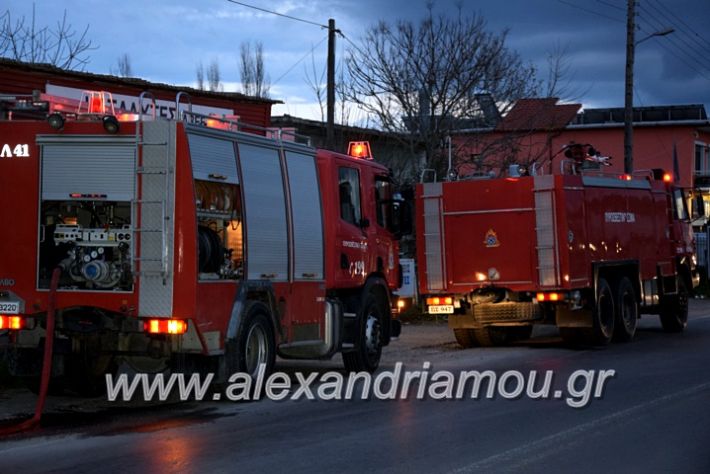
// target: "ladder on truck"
[[152, 204], [434, 251], [546, 231]]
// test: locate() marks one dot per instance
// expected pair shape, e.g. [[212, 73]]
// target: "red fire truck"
[[196, 241], [585, 250]]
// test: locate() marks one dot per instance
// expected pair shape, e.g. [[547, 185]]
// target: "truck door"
[[351, 243]]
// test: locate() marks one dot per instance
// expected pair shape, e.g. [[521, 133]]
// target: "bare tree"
[[214, 81], [61, 46], [560, 76], [422, 80], [255, 82], [200, 73], [123, 66], [316, 82]]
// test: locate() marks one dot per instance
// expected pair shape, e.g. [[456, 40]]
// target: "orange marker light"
[[667, 178], [540, 296], [11, 322], [165, 326]]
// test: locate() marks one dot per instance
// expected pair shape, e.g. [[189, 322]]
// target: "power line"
[[593, 12], [612, 5], [704, 51], [657, 24], [357, 48], [680, 58], [278, 14], [684, 24], [299, 61]]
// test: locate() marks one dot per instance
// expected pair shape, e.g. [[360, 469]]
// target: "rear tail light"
[[12, 322], [436, 300], [551, 296], [165, 326]]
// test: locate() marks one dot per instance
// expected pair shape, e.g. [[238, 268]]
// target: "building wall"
[[653, 147]]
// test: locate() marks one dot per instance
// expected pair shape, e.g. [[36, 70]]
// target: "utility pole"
[[629, 89], [329, 132]]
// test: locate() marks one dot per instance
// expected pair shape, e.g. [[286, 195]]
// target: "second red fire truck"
[[584, 250]]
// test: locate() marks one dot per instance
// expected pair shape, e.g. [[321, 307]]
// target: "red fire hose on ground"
[[46, 363]]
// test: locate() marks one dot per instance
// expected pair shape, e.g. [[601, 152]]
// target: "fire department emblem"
[[491, 239]]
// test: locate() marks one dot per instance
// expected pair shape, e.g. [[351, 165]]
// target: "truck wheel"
[[603, 315], [627, 311], [87, 377], [465, 338], [490, 336], [520, 333], [254, 344], [368, 342], [674, 309]]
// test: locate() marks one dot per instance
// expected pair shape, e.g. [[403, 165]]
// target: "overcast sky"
[[166, 39]]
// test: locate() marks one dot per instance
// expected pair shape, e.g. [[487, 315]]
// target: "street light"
[[629, 89], [665, 32]]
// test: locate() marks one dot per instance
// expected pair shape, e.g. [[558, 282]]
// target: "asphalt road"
[[654, 416]]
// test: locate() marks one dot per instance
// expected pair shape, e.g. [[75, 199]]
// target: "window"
[[220, 239], [383, 201], [349, 187], [681, 210]]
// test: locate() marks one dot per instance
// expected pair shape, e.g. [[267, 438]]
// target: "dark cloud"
[[167, 38]]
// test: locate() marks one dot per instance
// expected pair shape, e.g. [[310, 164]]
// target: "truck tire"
[[465, 338], [254, 344], [603, 319], [674, 309], [368, 340], [627, 311], [88, 378], [490, 336], [603, 315]]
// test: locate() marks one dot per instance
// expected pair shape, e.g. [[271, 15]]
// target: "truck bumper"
[[496, 313]]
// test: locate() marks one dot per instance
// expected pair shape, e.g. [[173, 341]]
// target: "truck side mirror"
[[402, 218]]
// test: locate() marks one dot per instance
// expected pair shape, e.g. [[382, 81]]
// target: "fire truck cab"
[[192, 243], [585, 250]]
